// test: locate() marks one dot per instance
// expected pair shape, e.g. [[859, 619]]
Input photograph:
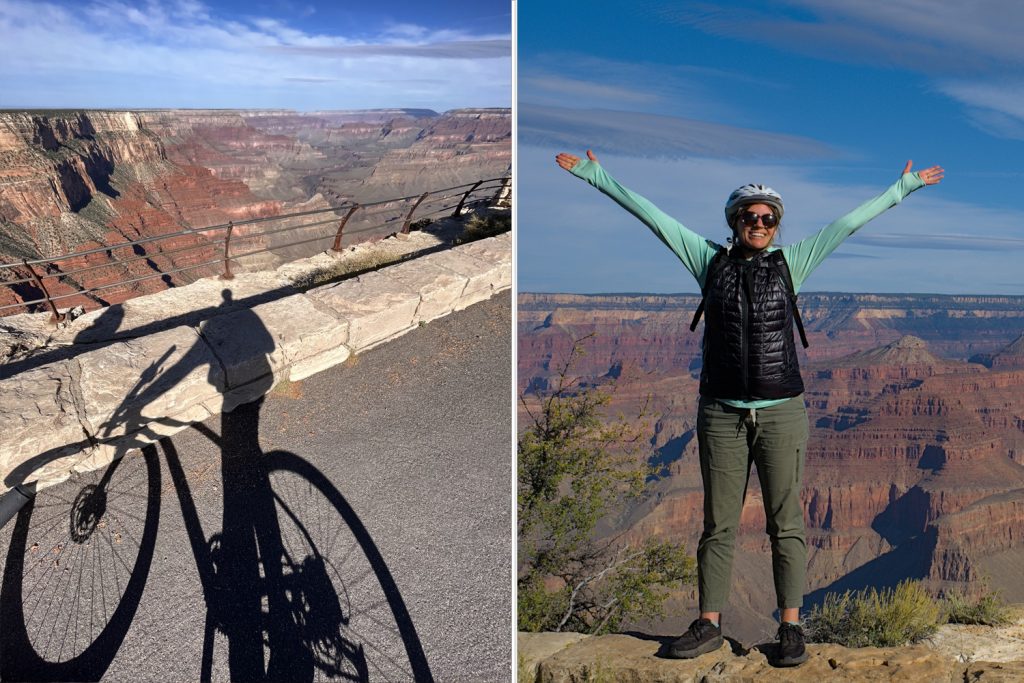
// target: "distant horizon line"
[[803, 293], [9, 109]]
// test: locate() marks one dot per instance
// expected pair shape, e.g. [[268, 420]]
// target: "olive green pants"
[[730, 440]]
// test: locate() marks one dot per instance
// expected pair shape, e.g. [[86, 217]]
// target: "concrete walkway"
[[355, 525]]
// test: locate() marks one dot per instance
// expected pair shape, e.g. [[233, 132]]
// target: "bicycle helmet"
[[752, 193]]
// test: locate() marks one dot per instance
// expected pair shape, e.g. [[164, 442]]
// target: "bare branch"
[[616, 561], [607, 607]]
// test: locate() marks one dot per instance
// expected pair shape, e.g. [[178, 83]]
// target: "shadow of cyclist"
[[270, 607], [281, 606]]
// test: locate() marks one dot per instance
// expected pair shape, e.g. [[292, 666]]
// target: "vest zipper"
[[746, 310]]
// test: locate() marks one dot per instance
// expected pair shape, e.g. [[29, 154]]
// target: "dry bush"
[[988, 610], [871, 618], [478, 227]]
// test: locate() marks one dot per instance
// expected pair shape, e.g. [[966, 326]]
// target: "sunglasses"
[[750, 219]]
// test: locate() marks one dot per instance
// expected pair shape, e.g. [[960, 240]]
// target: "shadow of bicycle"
[[293, 584]]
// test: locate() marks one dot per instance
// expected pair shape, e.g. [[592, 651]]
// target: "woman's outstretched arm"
[[693, 250], [807, 254]]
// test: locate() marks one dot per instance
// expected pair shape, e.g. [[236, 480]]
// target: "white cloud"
[[969, 50], [309, 79], [950, 241], [567, 79], [932, 36], [574, 88], [975, 32], [177, 55], [411, 31], [996, 107], [463, 49], [651, 135]]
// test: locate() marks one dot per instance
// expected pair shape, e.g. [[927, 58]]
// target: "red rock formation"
[[914, 465], [71, 181], [1010, 357]]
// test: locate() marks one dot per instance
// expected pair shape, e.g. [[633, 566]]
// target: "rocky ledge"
[[576, 658]]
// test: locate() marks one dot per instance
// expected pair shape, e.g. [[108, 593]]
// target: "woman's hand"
[[568, 161], [929, 176]]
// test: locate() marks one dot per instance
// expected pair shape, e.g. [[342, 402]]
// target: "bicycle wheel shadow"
[[294, 585]]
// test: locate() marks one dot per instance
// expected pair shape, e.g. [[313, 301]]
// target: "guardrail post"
[[337, 238], [503, 197], [56, 316], [227, 274], [458, 209], [408, 219]]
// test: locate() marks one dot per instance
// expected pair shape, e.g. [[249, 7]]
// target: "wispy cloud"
[[651, 135], [577, 88], [463, 49], [942, 242], [931, 37], [968, 50], [996, 107], [309, 79], [587, 81], [112, 53]]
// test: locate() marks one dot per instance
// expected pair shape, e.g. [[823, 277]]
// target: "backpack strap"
[[782, 268], [712, 267]]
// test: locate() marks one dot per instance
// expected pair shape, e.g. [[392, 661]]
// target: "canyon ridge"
[[915, 463], [77, 180]]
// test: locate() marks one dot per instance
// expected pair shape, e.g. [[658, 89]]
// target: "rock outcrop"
[[570, 658]]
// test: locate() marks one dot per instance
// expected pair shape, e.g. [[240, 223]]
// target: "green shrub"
[[871, 618], [988, 610], [577, 468]]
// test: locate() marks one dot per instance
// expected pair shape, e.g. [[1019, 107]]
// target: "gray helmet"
[[752, 194]]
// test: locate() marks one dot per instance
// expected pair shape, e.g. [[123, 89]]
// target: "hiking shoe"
[[791, 649], [702, 637]]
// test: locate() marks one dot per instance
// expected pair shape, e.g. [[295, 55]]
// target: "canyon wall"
[[73, 181], [915, 463]]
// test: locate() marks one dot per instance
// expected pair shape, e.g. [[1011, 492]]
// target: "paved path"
[[353, 526]]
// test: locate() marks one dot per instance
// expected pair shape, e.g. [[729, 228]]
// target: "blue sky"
[[824, 100], [305, 55]]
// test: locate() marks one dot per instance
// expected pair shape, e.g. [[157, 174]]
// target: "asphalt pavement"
[[354, 526]]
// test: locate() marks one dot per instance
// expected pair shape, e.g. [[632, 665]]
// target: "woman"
[[751, 407]]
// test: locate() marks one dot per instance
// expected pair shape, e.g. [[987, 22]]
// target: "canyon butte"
[[915, 464], [77, 180]]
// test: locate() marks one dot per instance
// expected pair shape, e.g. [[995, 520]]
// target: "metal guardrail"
[[27, 271]]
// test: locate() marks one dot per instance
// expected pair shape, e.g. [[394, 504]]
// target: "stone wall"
[[76, 397]]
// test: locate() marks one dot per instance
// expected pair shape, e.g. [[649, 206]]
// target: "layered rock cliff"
[[914, 464], [78, 180]]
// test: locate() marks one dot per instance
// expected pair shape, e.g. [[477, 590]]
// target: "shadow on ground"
[[293, 584]]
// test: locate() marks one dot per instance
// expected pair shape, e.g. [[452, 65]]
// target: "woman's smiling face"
[[753, 235]]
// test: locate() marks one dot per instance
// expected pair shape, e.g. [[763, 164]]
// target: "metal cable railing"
[[424, 206]]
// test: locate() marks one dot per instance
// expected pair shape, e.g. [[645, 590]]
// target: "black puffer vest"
[[749, 351]]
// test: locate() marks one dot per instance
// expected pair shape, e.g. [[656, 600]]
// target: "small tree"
[[576, 469]]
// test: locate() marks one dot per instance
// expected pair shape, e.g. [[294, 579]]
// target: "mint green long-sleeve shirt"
[[696, 252]]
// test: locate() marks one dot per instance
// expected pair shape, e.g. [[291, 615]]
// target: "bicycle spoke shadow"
[[294, 585]]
